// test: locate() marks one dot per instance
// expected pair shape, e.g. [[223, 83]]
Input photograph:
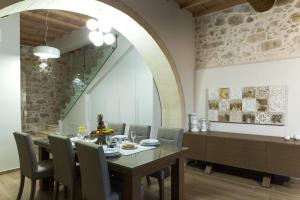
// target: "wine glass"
[[108, 140], [132, 135]]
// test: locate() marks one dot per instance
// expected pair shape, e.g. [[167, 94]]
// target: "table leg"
[[177, 180], [47, 183], [266, 180], [132, 188]]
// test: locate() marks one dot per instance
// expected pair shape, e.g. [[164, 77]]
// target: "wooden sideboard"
[[271, 155]]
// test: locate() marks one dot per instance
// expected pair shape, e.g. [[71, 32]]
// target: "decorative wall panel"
[[264, 105]]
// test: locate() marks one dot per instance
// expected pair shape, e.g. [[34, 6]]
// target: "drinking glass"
[[132, 135], [107, 140]]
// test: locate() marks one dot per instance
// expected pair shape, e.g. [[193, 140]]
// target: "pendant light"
[[100, 32], [46, 52]]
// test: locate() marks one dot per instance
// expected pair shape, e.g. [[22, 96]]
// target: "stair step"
[[47, 132], [53, 127]]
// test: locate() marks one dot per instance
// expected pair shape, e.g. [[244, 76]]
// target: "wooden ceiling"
[[60, 23], [203, 7]]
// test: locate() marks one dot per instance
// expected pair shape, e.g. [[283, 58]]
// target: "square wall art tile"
[[265, 105]]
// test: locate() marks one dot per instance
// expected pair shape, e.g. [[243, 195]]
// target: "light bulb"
[[109, 38], [104, 26], [43, 65], [92, 24], [99, 42], [94, 35]]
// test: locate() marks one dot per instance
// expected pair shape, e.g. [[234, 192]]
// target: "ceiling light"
[[99, 41], [95, 36], [45, 52], [109, 38], [43, 65], [92, 24], [104, 26]]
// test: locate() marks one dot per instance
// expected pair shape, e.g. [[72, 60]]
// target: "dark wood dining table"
[[133, 167]]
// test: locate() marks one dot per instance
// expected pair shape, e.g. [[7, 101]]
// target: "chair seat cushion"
[[45, 169], [162, 174]]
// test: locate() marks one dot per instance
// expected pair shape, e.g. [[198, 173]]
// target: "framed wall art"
[[265, 105]]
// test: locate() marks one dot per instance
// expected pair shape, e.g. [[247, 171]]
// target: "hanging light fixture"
[[46, 52], [100, 32]]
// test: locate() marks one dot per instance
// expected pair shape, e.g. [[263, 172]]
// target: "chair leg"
[[21, 187], [56, 190], [66, 192], [161, 188], [148, 180], [72, 193], [32, 192]]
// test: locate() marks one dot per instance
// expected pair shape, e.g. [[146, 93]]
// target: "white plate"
[[111, 151], [150, 141]]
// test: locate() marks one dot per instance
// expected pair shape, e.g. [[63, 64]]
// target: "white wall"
[[124, 74], [79, 113], [176, 29], [10, 100], [125, 94], [284, 72]]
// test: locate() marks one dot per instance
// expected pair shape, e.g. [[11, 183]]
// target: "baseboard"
[[9, 171]]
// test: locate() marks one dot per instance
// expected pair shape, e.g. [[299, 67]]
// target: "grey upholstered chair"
[[142, 132], [118, 128], [171, 136], [65, 170], [94, 172], [29, 166]]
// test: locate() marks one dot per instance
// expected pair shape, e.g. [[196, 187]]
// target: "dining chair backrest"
[[27, 157], [94, 171], [119, 128], [142, 132], [63, 159], [170, 136]]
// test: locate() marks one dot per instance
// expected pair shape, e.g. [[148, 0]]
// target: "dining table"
[[132, 168]]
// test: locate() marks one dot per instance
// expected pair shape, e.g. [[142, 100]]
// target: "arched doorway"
[[140, 34]]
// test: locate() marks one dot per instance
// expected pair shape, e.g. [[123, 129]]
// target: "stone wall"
[[240, 35], [46, 93]]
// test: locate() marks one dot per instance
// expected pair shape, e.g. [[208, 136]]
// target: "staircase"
[[94, 60], [51, 129]]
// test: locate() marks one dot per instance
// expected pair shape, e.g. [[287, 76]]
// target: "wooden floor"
[[198, 186]]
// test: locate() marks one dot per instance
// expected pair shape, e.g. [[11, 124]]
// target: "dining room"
[[183, 99]]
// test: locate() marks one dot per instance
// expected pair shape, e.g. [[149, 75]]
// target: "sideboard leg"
[[266, 180], [208, 169]]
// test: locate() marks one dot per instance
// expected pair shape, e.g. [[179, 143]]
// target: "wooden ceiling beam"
[[38, 36], [40, 32], [35, 40], [218, 8], [34, 25], [51, 20], [82, 19], [193, 3], [261, 5], [29, 43]]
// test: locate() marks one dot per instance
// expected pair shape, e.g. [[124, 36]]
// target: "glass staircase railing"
[[85, 64]]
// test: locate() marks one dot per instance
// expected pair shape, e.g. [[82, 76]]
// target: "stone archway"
[[140, 34]]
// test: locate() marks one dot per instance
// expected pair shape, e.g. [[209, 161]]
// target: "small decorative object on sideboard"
[[297, 137], [287, 137], [193, 123], [204, 125]]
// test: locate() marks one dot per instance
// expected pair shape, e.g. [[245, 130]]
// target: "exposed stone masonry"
[[46, 93], [240, 35]]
